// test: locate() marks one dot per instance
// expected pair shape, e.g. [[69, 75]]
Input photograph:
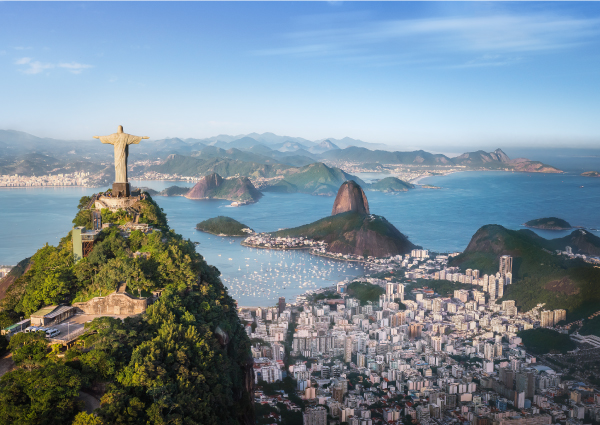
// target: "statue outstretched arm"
[[105, 140]]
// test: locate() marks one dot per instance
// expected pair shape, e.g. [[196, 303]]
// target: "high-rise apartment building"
[[389, 291], [348, 349], [400, 291], [506, 263], [315, 416], [281, 304], [436, 343], [546, 318], [559, 315]]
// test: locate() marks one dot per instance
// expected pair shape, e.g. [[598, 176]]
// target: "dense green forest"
[[222, 225], [444, 288], [543, 341], [591, 326], [364, 292], [185, 361]]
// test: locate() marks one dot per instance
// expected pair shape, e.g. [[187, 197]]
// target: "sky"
[[407, 74]]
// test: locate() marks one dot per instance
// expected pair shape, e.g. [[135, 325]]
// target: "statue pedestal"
[[121, 190]]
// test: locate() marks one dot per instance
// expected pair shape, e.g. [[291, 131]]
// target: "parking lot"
[[72, 326]]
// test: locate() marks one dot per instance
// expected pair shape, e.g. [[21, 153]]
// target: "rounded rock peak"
[[350, 197]]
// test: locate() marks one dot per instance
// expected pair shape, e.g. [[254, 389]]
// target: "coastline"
[[417, 180], [221, 234], [316, 254], [270, 247]]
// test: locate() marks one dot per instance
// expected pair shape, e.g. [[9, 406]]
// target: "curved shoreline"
[[221, 234], [316, 254], [271, 247]]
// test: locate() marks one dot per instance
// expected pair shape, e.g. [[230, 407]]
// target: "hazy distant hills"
[[316, 178], [215, 154], [358, 154], [38, 164], [225, 167]]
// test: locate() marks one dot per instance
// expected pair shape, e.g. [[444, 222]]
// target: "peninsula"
[[391, 184], [351, 232]]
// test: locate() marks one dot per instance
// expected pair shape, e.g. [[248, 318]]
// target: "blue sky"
[[411, 75]]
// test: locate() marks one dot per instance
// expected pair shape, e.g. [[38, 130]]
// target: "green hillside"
[[543, 341], [190, 166], [358, 154], [315, 179], [222, 225], [390, 184], [581, 241], [233, 153], [539, 276], [174, 191], [365, 292], [354, 233], [187, 356]]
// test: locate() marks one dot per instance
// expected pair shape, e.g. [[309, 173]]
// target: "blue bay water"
[[440, 220]]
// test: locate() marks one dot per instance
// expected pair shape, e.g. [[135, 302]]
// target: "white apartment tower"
[[506, 263]]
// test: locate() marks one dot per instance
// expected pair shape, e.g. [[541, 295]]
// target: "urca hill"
[[185, 359], [352, 229]]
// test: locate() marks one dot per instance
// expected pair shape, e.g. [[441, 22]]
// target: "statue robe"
[[121, 141]]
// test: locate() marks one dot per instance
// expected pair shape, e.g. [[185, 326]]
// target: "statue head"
[[120, 129]]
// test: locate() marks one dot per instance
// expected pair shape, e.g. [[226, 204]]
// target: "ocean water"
[[441, 220]]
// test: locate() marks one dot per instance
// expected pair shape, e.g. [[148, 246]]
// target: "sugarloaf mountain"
[[352, 229]]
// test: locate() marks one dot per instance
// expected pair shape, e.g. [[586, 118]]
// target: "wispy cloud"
[[74, 67], [491, 40], [33, 67], [22, 48], [30, 66]]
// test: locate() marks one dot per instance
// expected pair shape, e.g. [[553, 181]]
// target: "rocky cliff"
[[213, 186], [350, 197], [203, 188]]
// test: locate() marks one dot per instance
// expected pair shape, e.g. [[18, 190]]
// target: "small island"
[[224, 226], [391, 184], [549, 223], [174, 191], [591, 174]]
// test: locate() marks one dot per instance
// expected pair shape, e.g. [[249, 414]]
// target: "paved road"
[[77, 322]]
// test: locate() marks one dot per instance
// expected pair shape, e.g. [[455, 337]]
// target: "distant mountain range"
[[256, 150]]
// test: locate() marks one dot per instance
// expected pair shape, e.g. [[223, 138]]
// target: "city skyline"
[[404, 74]]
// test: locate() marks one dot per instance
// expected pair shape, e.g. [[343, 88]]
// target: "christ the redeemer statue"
[[121, 142]]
